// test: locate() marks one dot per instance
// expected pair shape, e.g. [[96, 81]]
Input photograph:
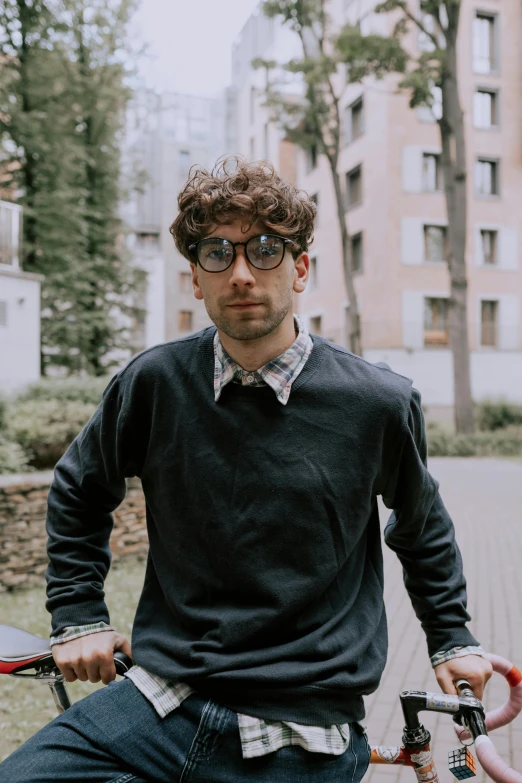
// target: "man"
[[262, 450]]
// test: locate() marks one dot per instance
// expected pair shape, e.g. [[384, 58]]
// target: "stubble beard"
[[266, 321]]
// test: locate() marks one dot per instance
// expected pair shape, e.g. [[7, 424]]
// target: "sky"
[[190, 42]]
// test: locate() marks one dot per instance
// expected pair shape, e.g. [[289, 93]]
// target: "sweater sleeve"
[[88, 484], [420, 531]]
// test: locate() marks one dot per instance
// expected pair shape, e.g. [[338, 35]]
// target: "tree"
[[316, 121], [439, 23], [62, 95], [313, 120]]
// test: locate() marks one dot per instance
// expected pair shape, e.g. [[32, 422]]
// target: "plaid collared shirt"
[[258, 737]]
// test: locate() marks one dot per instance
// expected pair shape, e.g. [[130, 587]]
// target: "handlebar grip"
[[122, 662]]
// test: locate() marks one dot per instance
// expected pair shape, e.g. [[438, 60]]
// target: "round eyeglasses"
[[265, 251]]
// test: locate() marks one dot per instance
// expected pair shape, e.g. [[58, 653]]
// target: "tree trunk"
[[30, 261], [354, 320], [455, 185]]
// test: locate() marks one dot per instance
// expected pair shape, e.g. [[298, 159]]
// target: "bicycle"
[[21, 652]]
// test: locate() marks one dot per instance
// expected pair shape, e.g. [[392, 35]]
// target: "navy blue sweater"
[[264, 582]]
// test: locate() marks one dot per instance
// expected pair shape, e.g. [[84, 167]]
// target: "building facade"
[[395, 205], [19, 307], [167, 134]]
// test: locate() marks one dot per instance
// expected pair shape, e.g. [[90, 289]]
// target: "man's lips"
[[241, 305]]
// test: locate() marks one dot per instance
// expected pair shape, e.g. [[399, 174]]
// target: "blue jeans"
[[115, 736]]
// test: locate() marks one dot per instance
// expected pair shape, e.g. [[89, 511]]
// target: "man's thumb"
[[124, 645]]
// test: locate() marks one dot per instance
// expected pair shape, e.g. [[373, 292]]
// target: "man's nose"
[[241, 269]]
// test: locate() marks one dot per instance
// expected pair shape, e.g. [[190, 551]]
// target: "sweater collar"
[[279, 373]]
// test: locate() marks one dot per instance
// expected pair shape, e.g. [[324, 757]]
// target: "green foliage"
[[13, 458], [500, 443], [87, 390], [369, 55], [45, 428], [495, 415], [62, 95]]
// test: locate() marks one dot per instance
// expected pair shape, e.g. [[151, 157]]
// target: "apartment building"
[[165, 135], [19, 307], [395, 206]]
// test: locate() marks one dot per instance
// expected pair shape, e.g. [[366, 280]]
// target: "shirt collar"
[[278, 373]]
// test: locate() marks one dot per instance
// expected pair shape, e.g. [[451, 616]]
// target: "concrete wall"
[[20, 334], [493, 374]]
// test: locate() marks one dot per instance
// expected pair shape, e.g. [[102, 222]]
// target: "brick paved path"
[[484, 498]]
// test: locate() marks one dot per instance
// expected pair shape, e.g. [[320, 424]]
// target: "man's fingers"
[[107, 670], [446, 684], [68, 672], [93, 670], [124, 645]]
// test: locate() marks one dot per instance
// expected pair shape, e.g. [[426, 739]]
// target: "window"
[[185, 321], [432, 28], [3, 313], [485, 108], [185, 282], [184, 162], [357, 252], [488, 323], [434, 112], [10, 233], [435, 244], [436, 321], [489, 241], [311, 158], [147, 240], [431, 172], [353, 187], [316, 324], [313, 272], [484, 43], [486, 177], [252, 104], [353, 121]]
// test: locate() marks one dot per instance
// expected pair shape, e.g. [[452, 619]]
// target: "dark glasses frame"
[[284, 240]]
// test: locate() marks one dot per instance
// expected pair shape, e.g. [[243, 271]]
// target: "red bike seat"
[[19, 648]]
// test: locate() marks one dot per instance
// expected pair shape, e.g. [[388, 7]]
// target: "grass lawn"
[[26, 706]]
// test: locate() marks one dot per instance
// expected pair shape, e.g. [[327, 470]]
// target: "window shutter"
[[413, 319], [412, 169], [508, 323], [508, 248], [412, 241], [479, 249]]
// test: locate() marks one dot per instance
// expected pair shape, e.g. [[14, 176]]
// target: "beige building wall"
[[396, 277]]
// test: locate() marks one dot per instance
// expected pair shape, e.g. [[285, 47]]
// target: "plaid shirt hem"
[[455, 652], [76, 631]]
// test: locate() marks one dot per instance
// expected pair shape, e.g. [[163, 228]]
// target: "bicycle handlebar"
[[487, 754]]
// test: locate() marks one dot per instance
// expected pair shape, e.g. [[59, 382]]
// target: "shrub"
[[498, 414], [506, 442], [13, 458], [87, 390], [45, 428]]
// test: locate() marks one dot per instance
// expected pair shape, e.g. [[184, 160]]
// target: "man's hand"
[[90, 657], [473, 668]]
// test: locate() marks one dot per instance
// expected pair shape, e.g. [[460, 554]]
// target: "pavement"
[[484, 498]]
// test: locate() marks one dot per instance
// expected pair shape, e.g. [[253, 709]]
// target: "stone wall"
[[23, 506]]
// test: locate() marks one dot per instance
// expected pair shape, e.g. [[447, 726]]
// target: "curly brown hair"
[[236, 189]]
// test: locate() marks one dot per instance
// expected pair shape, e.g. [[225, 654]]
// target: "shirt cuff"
[[455, 652], [76, 631]]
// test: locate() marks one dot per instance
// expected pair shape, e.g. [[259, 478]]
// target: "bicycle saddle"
[[19, 648]]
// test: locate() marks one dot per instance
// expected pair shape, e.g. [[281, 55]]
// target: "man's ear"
[[195, 281], [302, 269]]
